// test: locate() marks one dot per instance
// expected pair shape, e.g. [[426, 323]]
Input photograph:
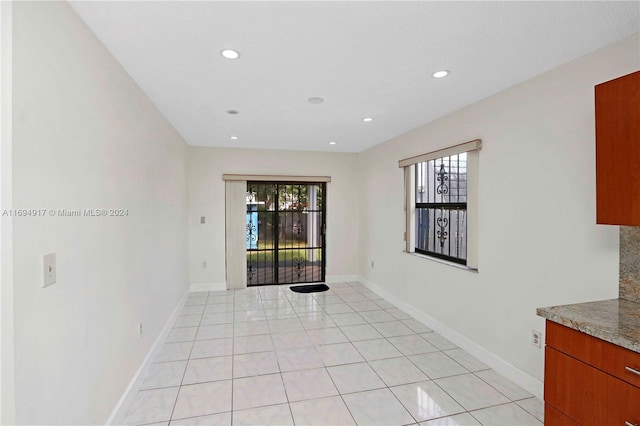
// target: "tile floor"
[[269, 356]]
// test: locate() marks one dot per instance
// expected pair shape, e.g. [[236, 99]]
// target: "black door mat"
[[311, 288]]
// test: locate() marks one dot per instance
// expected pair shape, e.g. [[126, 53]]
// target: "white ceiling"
[[366, 59]]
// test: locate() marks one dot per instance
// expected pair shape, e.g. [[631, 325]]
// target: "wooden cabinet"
[[618, 151], [556, 418], [587, 382]]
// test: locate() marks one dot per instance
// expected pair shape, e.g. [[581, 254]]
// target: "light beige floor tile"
[[321, 412]]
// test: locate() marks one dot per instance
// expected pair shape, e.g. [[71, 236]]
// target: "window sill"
[[442, 261]]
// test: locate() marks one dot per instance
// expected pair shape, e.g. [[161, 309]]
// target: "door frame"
[[235, 230]]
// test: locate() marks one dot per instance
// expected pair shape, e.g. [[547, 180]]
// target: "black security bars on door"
[[285, 232]]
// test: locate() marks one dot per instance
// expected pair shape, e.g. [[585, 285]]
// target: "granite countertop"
[[616, 321]]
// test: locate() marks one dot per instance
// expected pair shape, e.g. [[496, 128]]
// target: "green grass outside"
[[267, 256], [262, 245]]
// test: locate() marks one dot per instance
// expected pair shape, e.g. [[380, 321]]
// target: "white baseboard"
[[120, 410], [519, 377], [208, 286], [341, 278]]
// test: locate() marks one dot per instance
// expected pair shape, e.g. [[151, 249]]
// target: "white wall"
[[539, 244], [206, 198], [7, 383], [85, 136]]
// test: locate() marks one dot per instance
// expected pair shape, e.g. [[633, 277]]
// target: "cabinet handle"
[[630, 424], [634, 371]]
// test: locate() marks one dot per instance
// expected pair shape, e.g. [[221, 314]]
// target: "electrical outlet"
[[49, 269], [139, 329], [372, 264], [536, 338], [202, 220]]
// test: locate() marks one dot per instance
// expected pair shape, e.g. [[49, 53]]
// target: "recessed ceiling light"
[[440, 74], [332, 143], [234, 138], [367, 119], [232, 111], [316, 100], [230, 53]]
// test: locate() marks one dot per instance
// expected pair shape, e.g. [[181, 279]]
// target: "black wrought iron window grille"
[[441, 208]]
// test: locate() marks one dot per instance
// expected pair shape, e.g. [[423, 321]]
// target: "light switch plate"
[[49, 270]]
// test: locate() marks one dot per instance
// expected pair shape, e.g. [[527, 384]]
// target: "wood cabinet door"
[[553, 417], [602, 355], [617, 105], [587, 395]]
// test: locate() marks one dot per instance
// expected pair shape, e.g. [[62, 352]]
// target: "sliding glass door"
[[285, 232]]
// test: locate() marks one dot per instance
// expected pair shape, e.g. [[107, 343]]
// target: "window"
[[441, 203], [441, 208]]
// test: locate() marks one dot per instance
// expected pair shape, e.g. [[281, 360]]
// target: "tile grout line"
[[338, 390], [187, 365], [430, 379], [324, 367], [233, 348], [377, 375], [368, 362], [300, 316]]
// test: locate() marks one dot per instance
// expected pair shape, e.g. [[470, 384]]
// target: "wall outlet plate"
[[536, 338], [49, 270]]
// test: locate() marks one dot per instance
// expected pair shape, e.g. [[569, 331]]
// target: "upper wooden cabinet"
[[618, 151]]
